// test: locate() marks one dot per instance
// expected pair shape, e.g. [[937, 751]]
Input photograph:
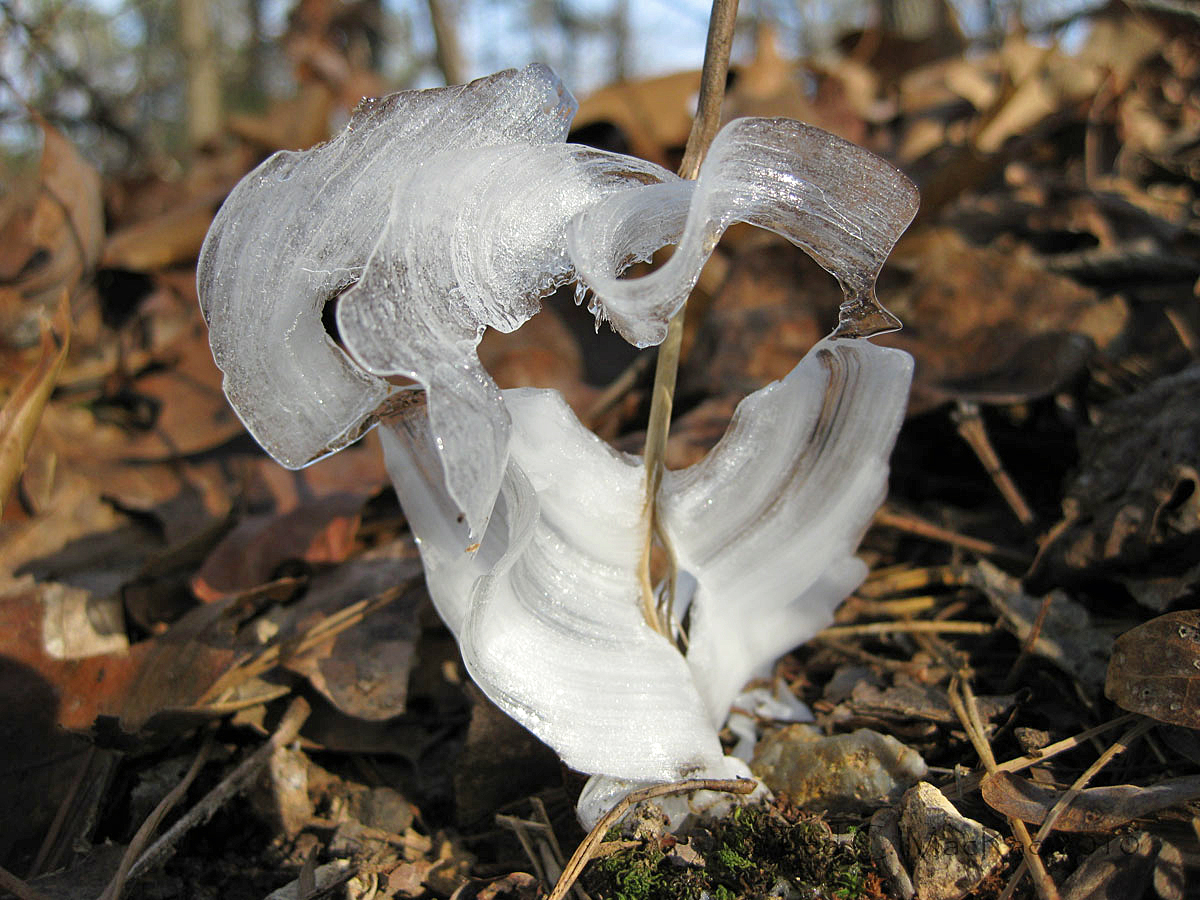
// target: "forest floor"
[[219, 678]]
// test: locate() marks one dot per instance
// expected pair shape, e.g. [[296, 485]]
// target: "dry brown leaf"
[[320, 531], [1155, 669], [1127, 868], [23, 409], [968, 310], [541, 353], [1098, 809], [60, 237], [1133, 510], [293, 124], [173, 237], [654, 115], [184, 405], [363, 670]]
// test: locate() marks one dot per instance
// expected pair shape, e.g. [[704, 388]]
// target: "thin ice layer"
[[842, 204], [298, 230], [768, 522], [474, 240], [547, 611]]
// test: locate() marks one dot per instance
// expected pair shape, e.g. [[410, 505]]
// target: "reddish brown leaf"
[[320, 531], [172, 237], [79, 689]]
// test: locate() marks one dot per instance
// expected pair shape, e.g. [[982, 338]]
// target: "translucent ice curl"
[[437, 214]]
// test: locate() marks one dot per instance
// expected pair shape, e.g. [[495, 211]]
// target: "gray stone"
[[948, 854]]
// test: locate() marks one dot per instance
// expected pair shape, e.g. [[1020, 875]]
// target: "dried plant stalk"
[[704, 128]]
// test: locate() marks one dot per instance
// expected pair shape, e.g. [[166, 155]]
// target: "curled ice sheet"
[[473, 240], [547, 611], [438, 214], [768, 522], [842, 204], [298, 230]]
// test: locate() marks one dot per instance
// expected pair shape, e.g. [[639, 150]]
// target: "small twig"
[[965, 708], [272, 656], [587, 849], [969, 422], [1118, 747], [617, 388], [704, 128], [890, 518], [289, 726], [539, 809], [1021, 763], [903, 578], [520, 827], [858, 607], [1029, 643], [148, 827], [920, 626], [60, 815], [19, 888], [854, 651]]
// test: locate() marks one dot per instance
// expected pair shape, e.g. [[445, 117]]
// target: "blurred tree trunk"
[[203, 75], [622, 38], [448, 51], [255, 87]]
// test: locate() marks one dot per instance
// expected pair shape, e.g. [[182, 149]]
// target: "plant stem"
[[704, 129]]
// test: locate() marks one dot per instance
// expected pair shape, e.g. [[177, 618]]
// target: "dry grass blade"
[[23, 410], [1020, 763], [272, 656], [289, 726], [18, 888], [148, 827], [969, 422], [962, 701], [1118, 747], [704, 128], [890, 518], [1029, 644], [588, 848], [894, 580], [918, 627]]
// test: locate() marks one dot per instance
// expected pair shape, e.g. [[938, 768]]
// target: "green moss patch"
[[754, 852]]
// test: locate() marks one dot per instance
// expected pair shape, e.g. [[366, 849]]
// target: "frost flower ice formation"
[[437, 214]]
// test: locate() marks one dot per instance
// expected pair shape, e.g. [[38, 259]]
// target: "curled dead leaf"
[[1096, 809], [1155, 669], [1127, 867], [23, 410], [52, 241]]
